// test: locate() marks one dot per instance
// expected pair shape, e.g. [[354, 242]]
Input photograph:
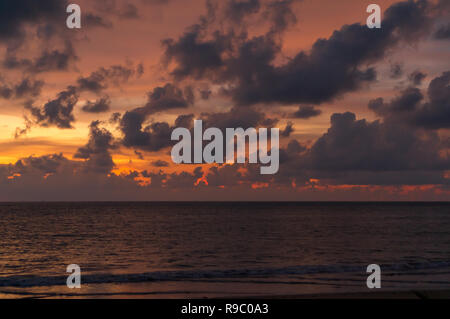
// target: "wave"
[[157, 276]]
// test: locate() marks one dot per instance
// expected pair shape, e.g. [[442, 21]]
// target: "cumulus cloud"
[[417, 77], [49, 60], [412, 107], [332, 67], [99, 106], [26, 88], [116, 75], [443, 32], [136, 134], [57, 112], [97, 151], [169, 97], [15, 15], [306, 112]]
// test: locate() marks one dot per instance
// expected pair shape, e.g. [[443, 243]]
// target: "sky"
[[87, 114]]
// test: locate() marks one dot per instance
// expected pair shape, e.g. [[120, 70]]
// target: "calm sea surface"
[[155, 250]]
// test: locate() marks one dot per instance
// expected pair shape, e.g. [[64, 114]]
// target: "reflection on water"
[[217, 249]]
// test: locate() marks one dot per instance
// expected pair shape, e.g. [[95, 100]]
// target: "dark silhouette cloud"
[[169, 97], [236, 10], [49, 60], [333, 66], [195, 56], [97, 151], [238, 117], [26, 88], [136, 134], [103, 77], [288, 130], [417, 77], [45, 164], [160, 163], [443, 32], [92, 20], [57, 112], [396, 71], [15, 15], [411, 106], [306, 112], [352, 144], [98, 106]]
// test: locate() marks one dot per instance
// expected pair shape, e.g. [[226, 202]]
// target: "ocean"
[[208, 250]]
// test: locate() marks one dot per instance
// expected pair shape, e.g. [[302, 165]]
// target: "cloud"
[[45, 164], [412, 108], [443, 32], [306, 112], [129, 11], [417, 77], [57, 112], [92, 20], [169, 97], [49, 60], [26, 88], [160, 163], [98, 106], [15, 15], [99, 80], [396, 71], [287, 131], [236, 10], [352, 144], [136, 134], [97, 151], [195, 57], [238, 117], [332, 67]]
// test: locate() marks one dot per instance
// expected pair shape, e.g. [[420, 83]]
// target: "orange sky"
[[134, 41]]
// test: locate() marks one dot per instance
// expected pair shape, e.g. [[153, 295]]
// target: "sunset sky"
[[87, 114]]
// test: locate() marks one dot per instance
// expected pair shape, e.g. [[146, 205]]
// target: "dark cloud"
[[359, 152], [136, 134], [417, 77], [91, 20], [156, 2], [287, 131], [169, 97], [205, 94], [57, 112], [306, 112], [129, 11], [160, 163], [15, 15], [352, 144], [281, 15], [120, 9], [333, 66], [195, 56], [236, 10], [98, 106], [405, 103], [97, 151], [443, 32], [49, 60], [26, 88], [185, 121], [396, 70], [412, 108], [103, 77], [238, 117]]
